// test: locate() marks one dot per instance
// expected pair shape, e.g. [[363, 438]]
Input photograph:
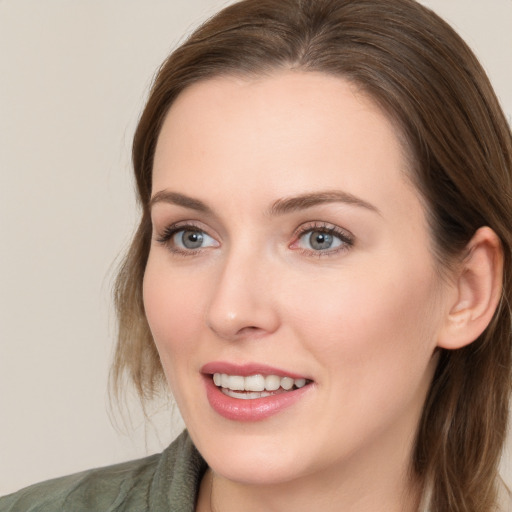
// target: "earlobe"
[[478, 285]]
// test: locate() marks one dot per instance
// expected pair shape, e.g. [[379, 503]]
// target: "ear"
[[477, 291]]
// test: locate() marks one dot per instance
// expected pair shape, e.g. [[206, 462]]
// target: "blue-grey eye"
[[318, 240], [192, 239]]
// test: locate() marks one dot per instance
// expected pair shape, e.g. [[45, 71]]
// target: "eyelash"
[[346, 238], [166, 238]]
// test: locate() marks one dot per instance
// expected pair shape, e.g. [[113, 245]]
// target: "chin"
[[256, 470], [253, 459]]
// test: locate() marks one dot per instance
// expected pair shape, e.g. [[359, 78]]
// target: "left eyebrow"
[[303, 201]]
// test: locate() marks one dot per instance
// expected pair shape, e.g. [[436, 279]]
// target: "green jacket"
[[166, 482]]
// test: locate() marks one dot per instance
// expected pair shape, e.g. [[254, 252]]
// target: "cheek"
[[365, 318], [372, 339], [172, 301]]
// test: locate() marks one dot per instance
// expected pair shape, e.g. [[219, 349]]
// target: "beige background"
[[73, 77]]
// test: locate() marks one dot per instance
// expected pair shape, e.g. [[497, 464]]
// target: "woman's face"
[[290, 249]]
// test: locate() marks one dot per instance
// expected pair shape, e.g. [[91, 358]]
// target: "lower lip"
[[255, 409]]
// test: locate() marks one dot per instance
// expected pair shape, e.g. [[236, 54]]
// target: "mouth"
[[256, 386], [252, 392]]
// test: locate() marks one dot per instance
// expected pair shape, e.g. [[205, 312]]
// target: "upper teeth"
[[256, 382]]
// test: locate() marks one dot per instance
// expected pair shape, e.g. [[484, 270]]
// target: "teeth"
[[251, 383], [257, 385], [250, 395], [272, 382], [287, 383], [236, 383], [300, 383]]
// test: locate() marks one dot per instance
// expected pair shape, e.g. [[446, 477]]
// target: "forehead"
[[280, 135]]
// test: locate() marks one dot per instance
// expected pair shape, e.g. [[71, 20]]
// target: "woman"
[[321, 270]]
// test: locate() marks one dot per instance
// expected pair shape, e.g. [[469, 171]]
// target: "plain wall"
[[73, 78]]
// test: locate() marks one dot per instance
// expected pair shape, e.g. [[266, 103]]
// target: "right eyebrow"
[[166, 196]]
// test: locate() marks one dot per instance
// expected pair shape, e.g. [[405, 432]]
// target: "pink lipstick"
[[251, 392]]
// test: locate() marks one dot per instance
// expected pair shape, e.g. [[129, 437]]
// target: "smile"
[[255, 386], [252, 392]]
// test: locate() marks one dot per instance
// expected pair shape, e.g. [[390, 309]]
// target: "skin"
[[362, 321]]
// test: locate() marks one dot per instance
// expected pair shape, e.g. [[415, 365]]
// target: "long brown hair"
[[429, 82]]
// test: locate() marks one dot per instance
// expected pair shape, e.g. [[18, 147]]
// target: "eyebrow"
[[166, 196], [279, 207], [303, 201]]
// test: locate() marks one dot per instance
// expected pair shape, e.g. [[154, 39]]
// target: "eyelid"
[[166, 235], [346, 237]]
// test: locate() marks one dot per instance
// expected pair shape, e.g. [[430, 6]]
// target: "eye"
[[186, 239], [192, 239], [319, 241], [322, 239]]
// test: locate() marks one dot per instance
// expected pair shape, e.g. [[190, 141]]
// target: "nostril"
[[249, 331]]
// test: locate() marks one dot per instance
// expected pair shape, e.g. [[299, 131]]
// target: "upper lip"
[[244, 370]]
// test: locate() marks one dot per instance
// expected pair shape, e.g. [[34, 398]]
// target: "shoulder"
[[139, 485], [96, 489]]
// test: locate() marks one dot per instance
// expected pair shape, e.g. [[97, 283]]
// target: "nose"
[[243, 303]]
